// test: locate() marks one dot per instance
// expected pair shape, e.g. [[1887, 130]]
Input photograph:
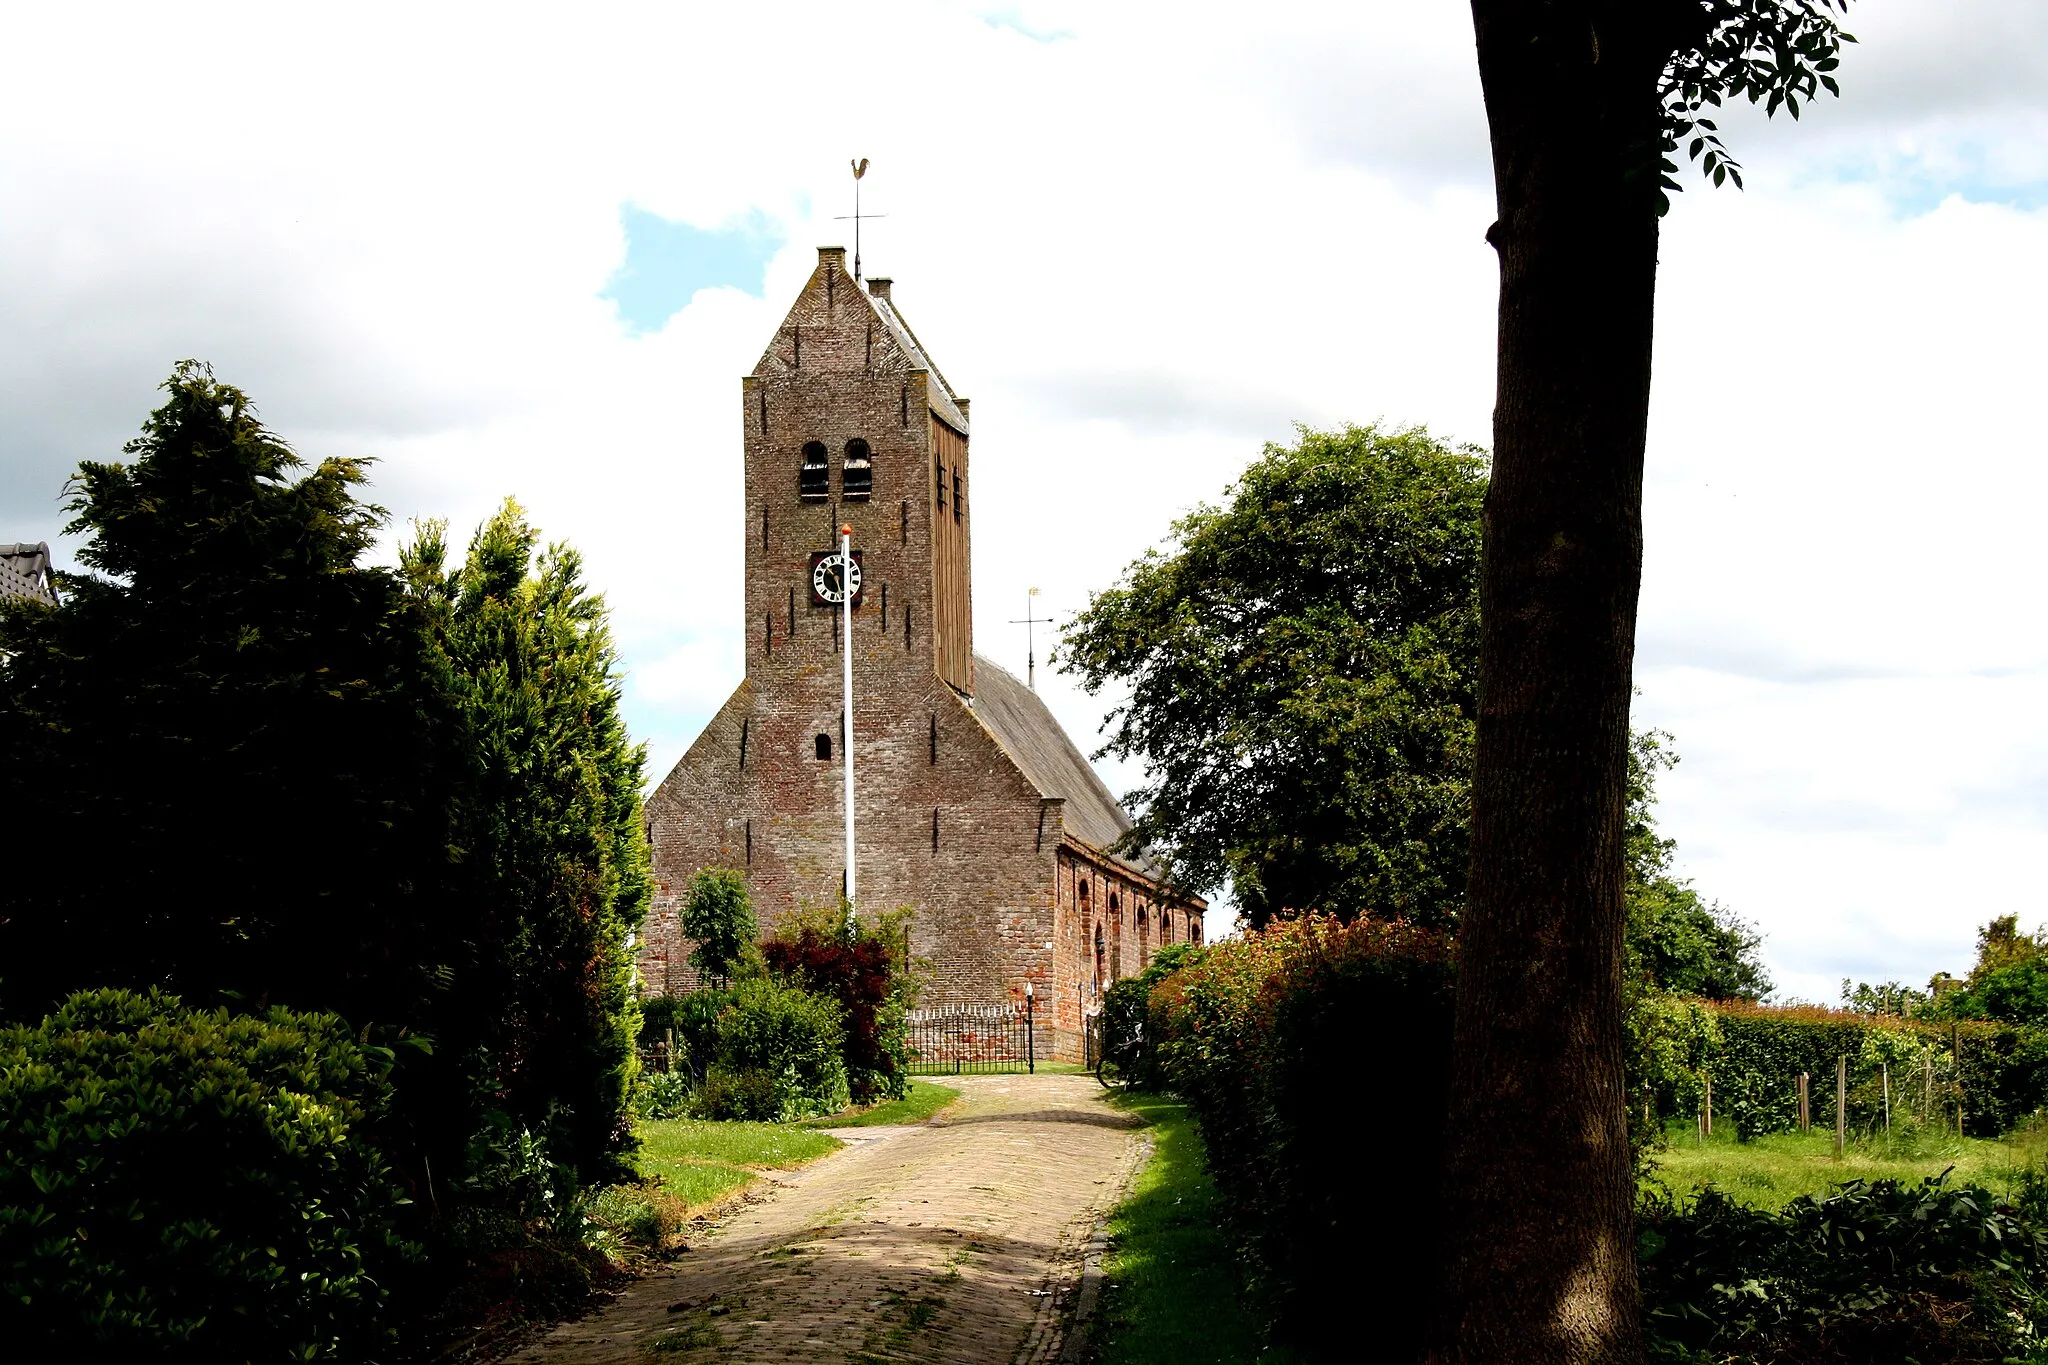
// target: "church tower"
[[972, 807], [848, 422]]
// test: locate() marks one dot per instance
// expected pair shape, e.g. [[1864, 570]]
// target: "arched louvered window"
[[815, 478], [857, 474]]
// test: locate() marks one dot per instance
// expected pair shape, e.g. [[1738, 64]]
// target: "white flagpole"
[[846, 677]]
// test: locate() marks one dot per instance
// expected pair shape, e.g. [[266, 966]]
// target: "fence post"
[[1841, 1102], [1710, 1106], [1955, 1046], [1884, 1070], [1805, 1110]]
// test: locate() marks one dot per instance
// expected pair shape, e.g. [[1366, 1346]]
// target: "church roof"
[[25, 572], [940, 393], [1048, 759]]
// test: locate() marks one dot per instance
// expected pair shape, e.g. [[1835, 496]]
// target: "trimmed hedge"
[[187, 1185], [1997, 1074], [1315, 1056]]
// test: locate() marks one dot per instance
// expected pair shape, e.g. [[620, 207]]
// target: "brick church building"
[[972, 806]]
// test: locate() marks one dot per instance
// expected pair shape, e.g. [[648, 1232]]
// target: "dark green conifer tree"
[[550, 834], [228, 744]]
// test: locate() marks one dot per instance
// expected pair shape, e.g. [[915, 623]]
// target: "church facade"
[[972, 807]]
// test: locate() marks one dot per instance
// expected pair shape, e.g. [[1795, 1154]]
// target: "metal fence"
[[973, 1039]]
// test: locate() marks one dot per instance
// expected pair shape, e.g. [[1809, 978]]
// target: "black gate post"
[[1030, 1033]]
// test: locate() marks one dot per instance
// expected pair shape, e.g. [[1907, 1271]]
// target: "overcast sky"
[[526, 250]]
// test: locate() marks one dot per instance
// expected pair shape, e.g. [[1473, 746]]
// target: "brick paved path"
[[959, 1241]]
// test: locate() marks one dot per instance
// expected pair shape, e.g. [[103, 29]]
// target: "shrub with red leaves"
[[858, 966]]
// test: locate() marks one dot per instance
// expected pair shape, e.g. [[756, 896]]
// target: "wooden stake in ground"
[[1841, 1103], [1710, 1106], [1805, 1116], [1885, 1070]]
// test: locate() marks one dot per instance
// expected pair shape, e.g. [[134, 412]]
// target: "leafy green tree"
[[549, 825], [2001, 944], [718, 917], [234, 740], [1587, 102], [1676, 941], [2009, 982], [1301, 666]]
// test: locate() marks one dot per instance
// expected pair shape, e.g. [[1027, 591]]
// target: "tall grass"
[[1768, 1172]]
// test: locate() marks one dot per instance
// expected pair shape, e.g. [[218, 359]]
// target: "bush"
[[664, 1095], [857, 965], [658, 1017], [718, 917], [1313, 1053], [1127, 1042], [1884, 1271], [780, 1056], [185, 1185]]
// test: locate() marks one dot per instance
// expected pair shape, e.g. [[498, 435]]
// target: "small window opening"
[[815, 479], [857, 474], [824, 745], [942, 486], [958, 501]]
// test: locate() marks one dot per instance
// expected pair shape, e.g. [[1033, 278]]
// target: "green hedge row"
[[1315, 1057], [1993, 1075], [185, 1185]]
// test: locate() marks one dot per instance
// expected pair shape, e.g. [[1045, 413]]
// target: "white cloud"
[[1144, 238]]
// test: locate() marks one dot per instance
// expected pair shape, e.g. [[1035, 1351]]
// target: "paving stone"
[[958, 1241]]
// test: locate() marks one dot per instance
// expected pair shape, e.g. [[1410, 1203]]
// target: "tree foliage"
[[1676, 941], [549, 827], [718, 918], [1770, 52], [232, 737], [2009, 982], [1301, 665], [266, 773]]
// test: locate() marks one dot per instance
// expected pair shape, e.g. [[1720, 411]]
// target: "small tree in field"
[[719, 918]]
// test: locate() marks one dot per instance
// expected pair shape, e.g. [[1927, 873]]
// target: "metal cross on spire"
[[1031, 620], [860, 169]]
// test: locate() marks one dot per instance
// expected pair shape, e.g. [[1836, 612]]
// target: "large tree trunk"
[[1539, 1240]]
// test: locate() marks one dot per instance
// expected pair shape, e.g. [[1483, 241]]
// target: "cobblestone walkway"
[[959, 1241]]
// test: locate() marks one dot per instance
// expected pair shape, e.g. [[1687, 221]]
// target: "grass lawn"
[[1174, 1293], [1767, 1172], [699, 1161], [925, 1099]]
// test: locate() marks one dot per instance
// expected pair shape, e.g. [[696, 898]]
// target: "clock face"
[[834, 578]]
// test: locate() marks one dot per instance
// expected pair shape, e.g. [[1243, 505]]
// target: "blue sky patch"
[[1917, 184], [667, 262], [1013, 21]]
